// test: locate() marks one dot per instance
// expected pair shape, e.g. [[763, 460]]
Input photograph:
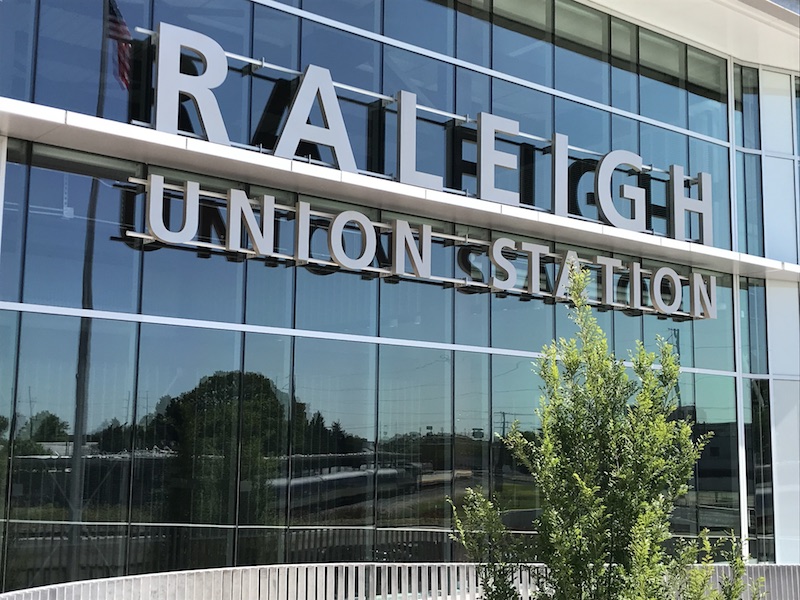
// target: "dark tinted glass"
[[78, 381], [717, 484], [472, 303], [365, 14], [624, 65], [753, 305], [76, 253], [414, 437], [522, 39], [8, 353], [662, 81], [333, 433], [14, 212], [758, 449], [711, 158], [473, 433], [707, 82], [581, 51], [16, 48], [266, 392], [431, 80], [749, 201], [426, 23], [516, 392], [746, 103], [188, 414], [77, 64], [175, 548]]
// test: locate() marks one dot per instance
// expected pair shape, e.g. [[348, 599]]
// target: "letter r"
[[170, 82]]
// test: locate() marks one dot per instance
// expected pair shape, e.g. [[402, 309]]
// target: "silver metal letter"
[[682, 204], [302, 232], [559, 151], [316, 83], [501, 262], [490, 157], [602, 191], [607, 266], [262, 236], [534, 252], [407, 145], [655, 290], [703, 303], [403, 242], [171, 82], [155, 212], [336, 240]]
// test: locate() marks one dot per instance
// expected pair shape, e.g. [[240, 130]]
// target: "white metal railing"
[[354, 581], [331, 581]]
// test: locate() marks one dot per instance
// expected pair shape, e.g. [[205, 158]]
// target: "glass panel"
[[414, 437], [707, 83], [14, 210], [533, 109], [69, 62], [426, 23], [745, 86], [266, 392], [16, 48], [713, 159], [660, 148], [194, 283], [75, 254], [473, 32], [71, 448], [417, 309], [750, 203], [333, 433], [365, 14], [624, 65], [44, 553], [521, 39], [780, 217], [260, 545], [516, 390], [581, 52], [758, 449], [188, 410], [713, 338], [155, 549], [473, 432], [356, 61], [717, 485], [472, 304], [433, 81], [662, 84], [270, 283], [351, 299], [8, 354], [776, 99], [341, 545], [677, 332], [753, 301], [395, 545]]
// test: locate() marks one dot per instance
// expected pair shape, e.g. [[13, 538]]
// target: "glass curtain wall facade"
[[166, 407]]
